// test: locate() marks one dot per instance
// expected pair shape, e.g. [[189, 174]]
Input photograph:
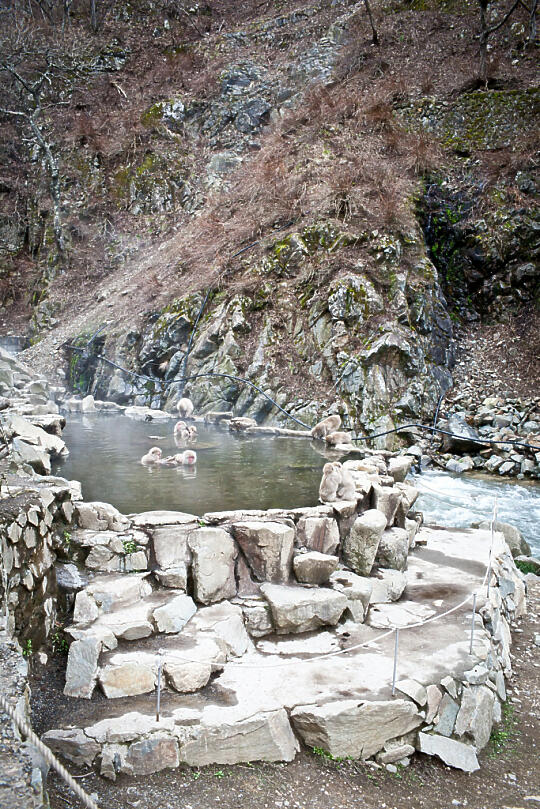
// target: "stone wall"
[[35, 510]]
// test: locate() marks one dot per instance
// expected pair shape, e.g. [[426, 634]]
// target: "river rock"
[[300, 609], [387, 585], [224, 621], [82, 667], [356, 589], [317, 534], [100, 517], [361, 545], [314, 567], [352, 728], [464, 439], [393, 549], [268, 548], [214, 553], [129, 673], [453, 753], [174, 615], [72, 744], [224, 736]]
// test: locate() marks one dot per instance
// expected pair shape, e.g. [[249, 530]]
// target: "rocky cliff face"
[[375, 343], [273, 199]]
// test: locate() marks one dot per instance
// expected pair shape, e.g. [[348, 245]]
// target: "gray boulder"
[[268, 548], [393, 549], [314, 567], [361, 545], [352, 728], [301, 609], [214, 553]]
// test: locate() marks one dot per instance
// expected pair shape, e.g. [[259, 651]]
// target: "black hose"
[[369, 437]]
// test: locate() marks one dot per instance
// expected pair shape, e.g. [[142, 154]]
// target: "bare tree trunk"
[[54, 179], [532, 22], [375, 37], [93, 16], [484, 36]]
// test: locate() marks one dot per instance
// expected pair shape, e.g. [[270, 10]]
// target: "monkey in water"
[[185, 408], [152, 457], [189, 458], [337, 438], [327, 425]]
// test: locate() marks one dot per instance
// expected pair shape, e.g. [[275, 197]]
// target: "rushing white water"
[[460, 500]]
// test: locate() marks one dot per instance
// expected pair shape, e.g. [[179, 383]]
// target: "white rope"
[[48, 755]]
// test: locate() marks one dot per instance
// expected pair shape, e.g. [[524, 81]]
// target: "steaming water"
[[458, 501], [237, 471], [233, 471]]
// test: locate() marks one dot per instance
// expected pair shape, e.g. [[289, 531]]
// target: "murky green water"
[[238, 471], [233, 471]]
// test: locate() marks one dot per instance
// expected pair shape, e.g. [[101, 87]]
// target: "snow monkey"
[[153, 456], [327, 425], [337, 438], [189, 458], [330, 482], [185, 408], [347, 487]]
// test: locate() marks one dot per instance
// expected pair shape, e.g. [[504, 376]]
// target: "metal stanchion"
[[160, 667], [472, 623], [396, 648], [493, 521]]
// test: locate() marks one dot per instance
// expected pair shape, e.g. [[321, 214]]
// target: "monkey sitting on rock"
[[185, 408], [328, 425], [337, 483]]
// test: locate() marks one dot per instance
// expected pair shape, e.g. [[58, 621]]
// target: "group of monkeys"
[[183, 434], [337, 482], [328, 430]]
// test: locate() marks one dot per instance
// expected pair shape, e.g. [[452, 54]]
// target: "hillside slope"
[[323, 210]]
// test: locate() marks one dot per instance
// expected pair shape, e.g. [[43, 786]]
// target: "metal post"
[[493, 520], [472, 623], [160, 666], [396, 648]]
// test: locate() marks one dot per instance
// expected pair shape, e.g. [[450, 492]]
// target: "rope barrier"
[[48, 755]]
